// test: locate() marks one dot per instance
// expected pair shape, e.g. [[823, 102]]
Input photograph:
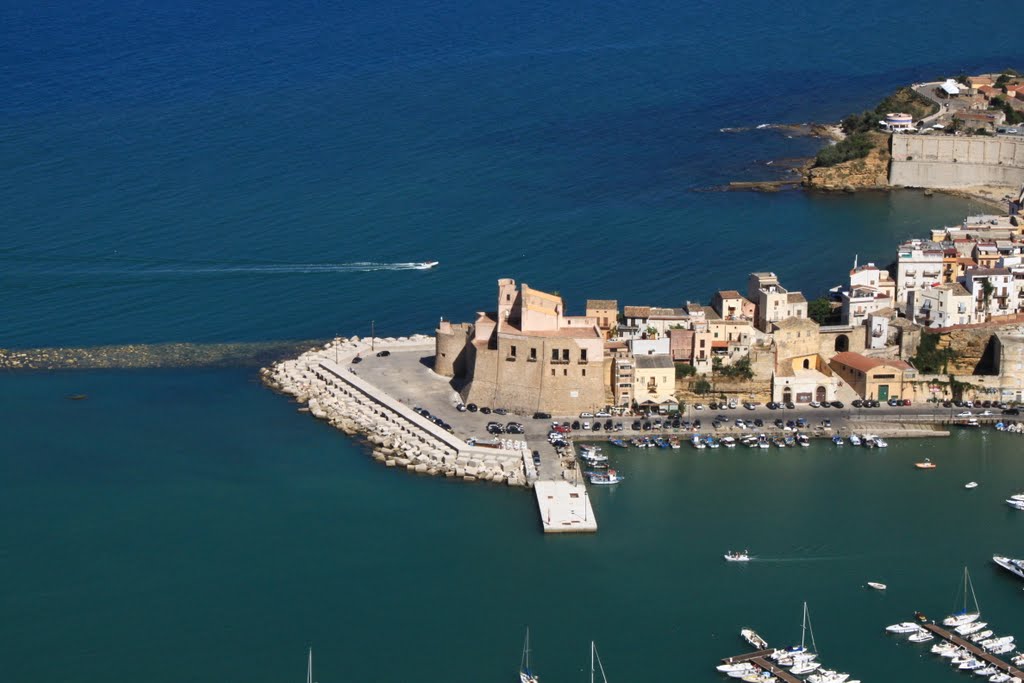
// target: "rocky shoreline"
[[396, 435]]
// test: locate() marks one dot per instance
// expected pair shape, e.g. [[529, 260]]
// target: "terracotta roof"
[[988, 271], [669, 313], [865, 363], [602, 303], [637, 311], [795, 298], [730, 294]]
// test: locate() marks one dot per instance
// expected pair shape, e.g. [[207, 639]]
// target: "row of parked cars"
[[472, 408], [510, 428], [433, 418]]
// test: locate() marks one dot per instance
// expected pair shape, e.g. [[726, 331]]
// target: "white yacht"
[[963, 617], [745, 667], [1011, 565], [1016, 504], [980, 636], [970, 627], [922, 636], [750, 635], [903, 627]]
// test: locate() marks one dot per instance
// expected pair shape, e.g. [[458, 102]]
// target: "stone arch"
[[820, 395], [807, 363], [787, 395], [842, 343]]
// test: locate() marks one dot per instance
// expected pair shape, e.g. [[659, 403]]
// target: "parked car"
[[514, 428], [857, 403], [814, 404], [461, 407], [536, 416], [383, 354], [906, 401], [1011, 411], [357, 359], [771, 405], [838, 404], [790, 405], [500, 411], [472, 407], [698, 406], [602, 413], [583, 415], [485, 410]]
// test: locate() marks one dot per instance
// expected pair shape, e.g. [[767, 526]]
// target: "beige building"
[[606, 313], [526, 356], [731, 305], [801, 374], [873, 378], [772, 301], [655, 380], [942, 306]]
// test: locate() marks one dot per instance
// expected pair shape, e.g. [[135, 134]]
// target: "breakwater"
[[949, 162], [325, 380], [170, 355]]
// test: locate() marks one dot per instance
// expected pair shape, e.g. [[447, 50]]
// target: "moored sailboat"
[[963, 616], [525, 675]]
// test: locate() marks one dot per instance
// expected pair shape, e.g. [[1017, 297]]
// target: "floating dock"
[[760, 659], [564, 507], [974, 650]]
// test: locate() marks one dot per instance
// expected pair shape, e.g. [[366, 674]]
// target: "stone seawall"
[[942, 161], [322, 379]]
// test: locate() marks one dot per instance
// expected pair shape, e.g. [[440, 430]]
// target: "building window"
[[552, 372], [584, 372], [565, 372], [702, 343], [554, 354], [565, 355], [533, 354], [513, 351], [583, 355]]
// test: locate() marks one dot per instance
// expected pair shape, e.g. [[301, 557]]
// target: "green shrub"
[[856, 146]]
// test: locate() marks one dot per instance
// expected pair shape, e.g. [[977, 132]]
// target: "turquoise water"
[[196, 172], [194, 526]]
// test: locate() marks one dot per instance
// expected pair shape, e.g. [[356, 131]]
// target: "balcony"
[[555, 361]]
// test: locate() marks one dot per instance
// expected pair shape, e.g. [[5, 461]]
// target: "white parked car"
[[582, 415], [965, 413], [602, 414], [698, 406], [986, 413], [815, 404]]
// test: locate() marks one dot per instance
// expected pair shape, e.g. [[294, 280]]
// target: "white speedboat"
[[903, 627], [426, 265], [1011, 565], [753, 639], [970, 627], [804, 667], [1015, 504], [737, 557], [881, 443], [745, 667], [877, 586], [943, 647], [854, 440], [986, 671], [971, 485], [980, 636], [838, 440], [922, 636], [1002, 649], [999, 678], [990, 643]]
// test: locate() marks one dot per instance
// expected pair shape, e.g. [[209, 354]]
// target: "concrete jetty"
[[564, 507]]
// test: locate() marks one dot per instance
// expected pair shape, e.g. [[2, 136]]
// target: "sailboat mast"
[[591, 661], [973, 596], [309, 667], [803, 627]]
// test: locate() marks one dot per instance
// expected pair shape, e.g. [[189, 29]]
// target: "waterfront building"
[[646, 347], [654, 382], [606, 313], [623, 378], [772, 301], [950, 88], [526, 356], [991, 290], [871, 289], [919, 265], [801, 374], [651, 321], [731, 305], [873, 378], [942, 306], [897, 122]]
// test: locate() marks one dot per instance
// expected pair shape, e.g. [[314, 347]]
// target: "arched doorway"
[[820, 394], [787, 395], [807, 363], [842, 343]]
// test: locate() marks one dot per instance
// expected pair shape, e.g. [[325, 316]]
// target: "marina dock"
[[564, 507], [760, 658], [974, 650]]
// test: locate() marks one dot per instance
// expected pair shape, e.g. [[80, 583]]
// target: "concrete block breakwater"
[[138, 356], [324, 380]]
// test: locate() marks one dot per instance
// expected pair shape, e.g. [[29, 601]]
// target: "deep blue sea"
[[196, 171]]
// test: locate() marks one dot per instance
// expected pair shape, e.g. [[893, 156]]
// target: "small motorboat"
[[926, 465], [838, 440], [971, 485], [854, 440], [1016, 504], [426, 265], [737, 557], [605, 478], [971, 627], [903, 627], [877, 586], [921, 636], [755, 640]]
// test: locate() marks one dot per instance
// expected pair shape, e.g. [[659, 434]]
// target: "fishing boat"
[[697, 442], [869, 441], [525, 675], [877, 586], [755, 641], [803, 440], [963, 616], [604, 478], [971, 485], [881, 443], [1015, 567], [838, 440], [673, 441], [854, 440], [618, 443], [925, 465], [744, 556], [728, 442]]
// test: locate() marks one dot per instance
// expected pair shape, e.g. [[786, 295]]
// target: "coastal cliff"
[[867, 173]]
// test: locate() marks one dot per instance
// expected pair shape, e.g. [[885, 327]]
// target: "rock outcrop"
[[869, 173]]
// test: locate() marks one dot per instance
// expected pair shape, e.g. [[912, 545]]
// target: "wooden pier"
[[759, 658], [978, 652]]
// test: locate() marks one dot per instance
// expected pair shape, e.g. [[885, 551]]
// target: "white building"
[[773, 302], [992, 291], [897, 122], [943, 306], [919, 265]]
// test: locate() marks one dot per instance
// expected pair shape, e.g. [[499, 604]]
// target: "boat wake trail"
[[277, 268], [826, 558]]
